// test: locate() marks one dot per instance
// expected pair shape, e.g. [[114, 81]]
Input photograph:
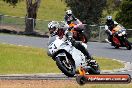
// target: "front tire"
[[70, 72], [128, 45], [116, 47], [84, 38]]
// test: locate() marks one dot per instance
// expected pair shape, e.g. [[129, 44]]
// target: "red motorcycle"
[[119, 37], [78, 33]]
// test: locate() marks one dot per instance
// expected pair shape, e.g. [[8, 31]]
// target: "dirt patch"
[[16, 30], [11, 28], [38, 84], [55, 84]]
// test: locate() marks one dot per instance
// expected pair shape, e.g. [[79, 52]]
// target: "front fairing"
[[54, 44], [77, 55]]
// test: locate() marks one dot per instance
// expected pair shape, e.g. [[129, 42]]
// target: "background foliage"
[[124, 16], [88, 11]]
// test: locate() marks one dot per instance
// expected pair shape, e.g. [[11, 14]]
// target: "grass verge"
[[130, 39], [108, 64], [19, 59]]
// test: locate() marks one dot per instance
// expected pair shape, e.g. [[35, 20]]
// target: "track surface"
[[46, 76], [95, 48]]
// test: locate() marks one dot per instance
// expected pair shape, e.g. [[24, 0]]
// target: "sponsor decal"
[[83, 78], [104, 78]]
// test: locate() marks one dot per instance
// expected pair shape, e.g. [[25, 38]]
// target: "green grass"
[[14, 59], [49, 9], [19, 59], [130, 39], [108, 64]]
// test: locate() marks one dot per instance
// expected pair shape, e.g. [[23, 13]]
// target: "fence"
[[97, 33], [94, 32], [18, 23]]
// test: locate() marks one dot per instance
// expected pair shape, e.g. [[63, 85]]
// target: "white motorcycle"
[[69, 59]]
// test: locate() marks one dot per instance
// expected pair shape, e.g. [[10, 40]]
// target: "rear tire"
[[63, 68], [96, 69]]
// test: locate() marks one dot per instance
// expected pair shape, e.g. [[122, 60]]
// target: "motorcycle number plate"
[[52, 48]]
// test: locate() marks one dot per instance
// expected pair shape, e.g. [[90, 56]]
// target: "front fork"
[[122, 40]]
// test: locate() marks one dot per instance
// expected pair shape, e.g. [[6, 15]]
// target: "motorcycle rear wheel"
[[96, 70]]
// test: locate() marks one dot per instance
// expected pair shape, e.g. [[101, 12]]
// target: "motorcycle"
[[119, 37], [78, 33], [69, 59]]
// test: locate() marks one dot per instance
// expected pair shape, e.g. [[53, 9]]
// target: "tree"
[[30, 19], [112, 6], [124, 16], [89, 11], [31, 15]]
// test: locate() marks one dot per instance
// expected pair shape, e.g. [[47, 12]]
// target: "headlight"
[[120, 31], [120, 34], [124, 32], [116, 33]]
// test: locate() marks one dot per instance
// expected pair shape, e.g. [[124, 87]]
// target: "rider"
[[69, 17], [109, 25], [76, 26], [53, 28]]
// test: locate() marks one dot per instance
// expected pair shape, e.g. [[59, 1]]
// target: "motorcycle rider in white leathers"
[[53, 28]]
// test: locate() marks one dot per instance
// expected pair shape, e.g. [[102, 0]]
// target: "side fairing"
[[54, 46], [77, 55]]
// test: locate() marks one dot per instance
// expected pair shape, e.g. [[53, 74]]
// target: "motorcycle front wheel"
[[116, 47], [84, 38], [66, 66], [127, 44]]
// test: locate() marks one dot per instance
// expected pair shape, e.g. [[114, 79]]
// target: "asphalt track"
[[46, 76], [94, 48]]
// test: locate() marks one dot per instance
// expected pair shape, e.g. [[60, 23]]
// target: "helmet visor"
[[69, 14]]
